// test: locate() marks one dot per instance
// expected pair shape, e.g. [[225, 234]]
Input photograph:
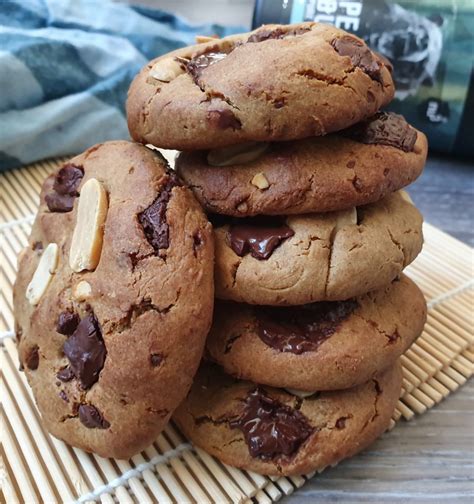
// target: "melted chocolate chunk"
[[195, 66], [385, 128], [223, 119], [153, 219], [66, 374], [91, 417], [278, 33], [271, 429], [63, 396], [32, 358], [258, 236], [303, 328], [67, 180], [361, 56], [67, 323], [86, 351]]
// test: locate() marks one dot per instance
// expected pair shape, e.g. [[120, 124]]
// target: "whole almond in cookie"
[[116, 281]]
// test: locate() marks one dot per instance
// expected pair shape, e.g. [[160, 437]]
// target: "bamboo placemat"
[[35, 467]]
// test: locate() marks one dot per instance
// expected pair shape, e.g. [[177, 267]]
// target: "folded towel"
[[65, 67]]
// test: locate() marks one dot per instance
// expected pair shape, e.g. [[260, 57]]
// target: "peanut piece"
[[236, 154], [82, 291], [300, 393], [43, 274], [165, 70], [406, 197], [86, 243], [202, 39], [260, 181]]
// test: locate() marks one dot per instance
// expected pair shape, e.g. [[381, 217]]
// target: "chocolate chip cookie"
[[329, 345], [353, 167], [275, 83], [299, 259], [102, 313], [272, 431]]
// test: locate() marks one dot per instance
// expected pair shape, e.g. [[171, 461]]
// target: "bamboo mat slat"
[[35, 467]]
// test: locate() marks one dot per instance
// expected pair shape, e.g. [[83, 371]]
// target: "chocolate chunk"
[[223, 119], [67, 323], [361, 56], [153, 219], [91, 417], [260, 236], [66, 183], [32, 358], [65, 374], [156, 359], [86, 351], [271, 429], [278, 33], [63, 396], [384, 128], [341, 423], [303, 328], [195, 66]]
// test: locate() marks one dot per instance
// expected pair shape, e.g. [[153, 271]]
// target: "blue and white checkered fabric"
[[65, 67]]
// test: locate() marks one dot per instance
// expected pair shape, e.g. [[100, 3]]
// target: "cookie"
[[353, 167], [274, 432], [299, 259], [102, 315], [279, 82], [329, 345]]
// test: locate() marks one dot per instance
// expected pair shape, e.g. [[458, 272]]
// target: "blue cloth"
[[65, 68]]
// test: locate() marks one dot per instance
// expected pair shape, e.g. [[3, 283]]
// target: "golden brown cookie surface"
[[275, 83], [321, 346], [317, 174], [100, 307], [274, 432]]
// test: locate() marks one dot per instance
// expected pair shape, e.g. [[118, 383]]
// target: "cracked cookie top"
[[353, 167], [101, 312], [316, 257], [321, 346], [273, 431], [275, 83]]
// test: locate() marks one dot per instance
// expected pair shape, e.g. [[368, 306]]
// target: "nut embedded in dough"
[[82, 291], [166, 70], [43, 274], [86, 243], [260, 181], [236, 154]]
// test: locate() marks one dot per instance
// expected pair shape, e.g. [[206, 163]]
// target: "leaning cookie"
[[300, 259], [274, 432], [353, 167], [321, 346], [279, 82], [102, 316]]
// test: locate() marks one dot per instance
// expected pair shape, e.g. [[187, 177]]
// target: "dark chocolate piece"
[[63, 396], [156, 359], [86, 351], [65, 374], [258, 236], [32, 358], [67, 323], [385, 128], [303, 328], [278, 33], [201, 62], [65, 186], [361, 56], [91, 417], [271, 429], [153, 218], [223, 119]]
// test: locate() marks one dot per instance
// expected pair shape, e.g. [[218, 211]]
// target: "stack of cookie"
[[286, 148]]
